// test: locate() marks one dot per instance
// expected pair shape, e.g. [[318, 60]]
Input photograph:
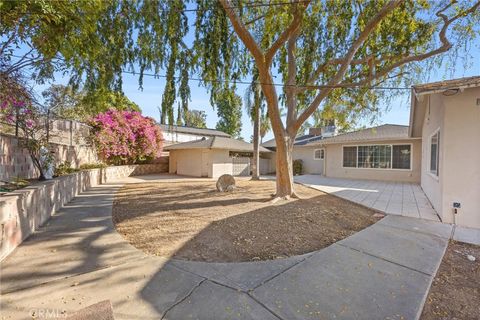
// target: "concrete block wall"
[[16, 162], [23, 211]]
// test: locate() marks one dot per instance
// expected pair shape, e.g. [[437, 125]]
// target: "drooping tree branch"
[[287, 33], [369, 28]]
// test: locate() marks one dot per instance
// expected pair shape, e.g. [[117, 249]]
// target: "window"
[[318, 154], [434, 153], [378, 156], [401, 156], [374, 156], [350, 157]]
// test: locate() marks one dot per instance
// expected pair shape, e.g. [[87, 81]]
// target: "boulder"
[[226, 183]]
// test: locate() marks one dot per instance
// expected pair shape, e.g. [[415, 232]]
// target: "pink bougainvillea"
[[126, 137]]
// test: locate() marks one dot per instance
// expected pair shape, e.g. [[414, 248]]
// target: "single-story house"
[[440, 149], [214, 156], [176, 134], [446, 117]]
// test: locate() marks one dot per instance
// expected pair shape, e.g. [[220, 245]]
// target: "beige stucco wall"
[[310, 165], [460, 161], [434, 115], [334, 164], [221, 163], [186, 162]]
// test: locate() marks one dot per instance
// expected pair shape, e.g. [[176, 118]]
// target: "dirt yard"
[[455, 291], [193, 221]]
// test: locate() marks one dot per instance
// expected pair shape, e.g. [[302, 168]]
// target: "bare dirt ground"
[[193, 221], [455, 291]]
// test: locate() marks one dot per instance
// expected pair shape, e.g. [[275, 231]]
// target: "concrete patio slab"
[[80, 238], [244, 275], [144, 289], [394, 198], [414, 250], [213, 301], [438, 229], [468, 235], [341, 283]]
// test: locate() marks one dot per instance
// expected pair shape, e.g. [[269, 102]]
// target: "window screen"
[[401, 156], [350, 157]]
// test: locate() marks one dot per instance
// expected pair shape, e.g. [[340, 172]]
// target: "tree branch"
[[370, 26], [446, 45], [242, 31], [287, 33]]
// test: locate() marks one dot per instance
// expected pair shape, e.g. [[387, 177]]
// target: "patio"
[[396, 198]]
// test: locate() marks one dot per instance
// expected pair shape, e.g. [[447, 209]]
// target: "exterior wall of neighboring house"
[[172, 137], [458, 117], [221, 163], [334, 163], [306, 154], [186, 162]]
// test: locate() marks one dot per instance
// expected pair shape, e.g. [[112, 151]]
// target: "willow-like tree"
[[329, 55]]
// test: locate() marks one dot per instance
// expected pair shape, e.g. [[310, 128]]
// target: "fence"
[[68, 140], [57, 130]]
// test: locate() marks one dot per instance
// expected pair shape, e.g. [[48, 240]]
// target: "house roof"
[[193, 130], [441, 86], [299, 141], [379, 133], [216, 143], [419, 103]]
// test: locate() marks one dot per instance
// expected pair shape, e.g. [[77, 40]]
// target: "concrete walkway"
[[398, 198], [79, 259]]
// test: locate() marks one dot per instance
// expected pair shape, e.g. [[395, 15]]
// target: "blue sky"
[[151, 96]]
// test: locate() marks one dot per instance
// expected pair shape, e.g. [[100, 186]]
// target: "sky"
[[149, 98]]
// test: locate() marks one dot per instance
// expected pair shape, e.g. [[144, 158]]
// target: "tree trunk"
[[284, 168], [256, 143]]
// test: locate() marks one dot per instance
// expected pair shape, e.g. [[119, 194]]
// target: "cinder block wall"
[[23, 211], [16, 162]]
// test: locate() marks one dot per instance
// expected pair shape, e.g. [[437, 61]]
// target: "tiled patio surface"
[[399, 198]]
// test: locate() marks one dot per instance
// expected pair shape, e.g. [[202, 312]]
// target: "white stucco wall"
[[221, 163], [334, 164], [460, 164], [186, 162], [310, 165], [434, 115]]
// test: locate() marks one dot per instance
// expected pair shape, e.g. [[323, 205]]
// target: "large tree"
[[310, 55], [330, 51]]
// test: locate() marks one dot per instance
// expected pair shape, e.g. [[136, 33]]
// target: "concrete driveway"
[[396, 198], [78, 259]]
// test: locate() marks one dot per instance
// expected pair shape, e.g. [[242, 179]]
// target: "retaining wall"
[[23, 211]]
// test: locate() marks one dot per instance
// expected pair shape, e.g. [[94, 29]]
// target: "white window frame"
[[391, 155], [322, 154], [435, 174]]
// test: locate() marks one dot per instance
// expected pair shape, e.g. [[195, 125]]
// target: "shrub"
[[64, 168], [297, 167], [126, 137], [87, 166]]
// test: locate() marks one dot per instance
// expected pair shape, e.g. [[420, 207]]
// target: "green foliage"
[[297, 167], [64, 168], [68, 103], [88, 166], [195, 118], [229, 112]]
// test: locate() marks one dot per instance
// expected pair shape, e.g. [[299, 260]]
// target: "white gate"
[[241, 166]]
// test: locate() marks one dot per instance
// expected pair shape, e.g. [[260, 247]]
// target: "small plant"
[[297, 167], [64, 168], [87, 166]]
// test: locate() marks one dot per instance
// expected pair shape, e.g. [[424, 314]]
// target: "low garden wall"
[[23, 211]]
